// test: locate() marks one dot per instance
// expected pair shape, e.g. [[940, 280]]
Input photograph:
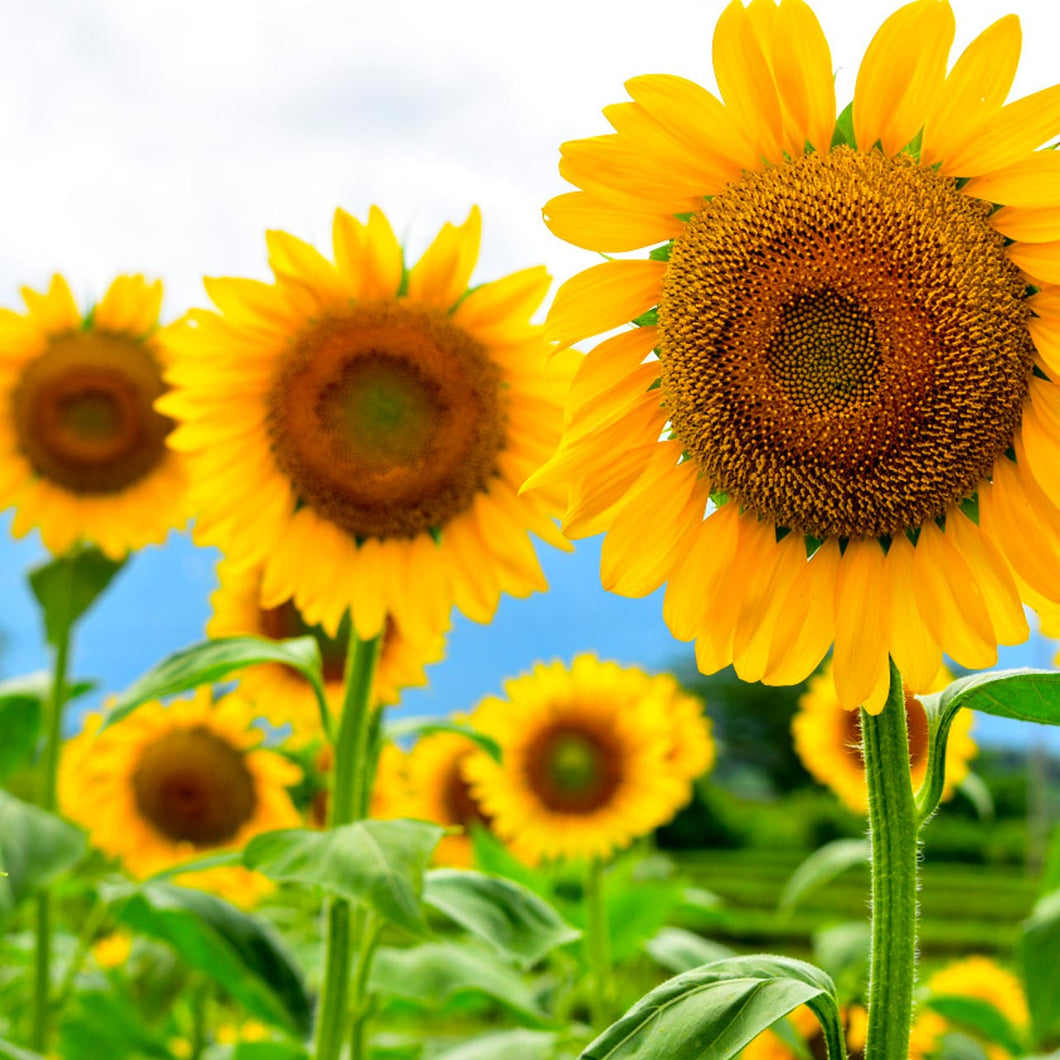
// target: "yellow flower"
[[770, 1046], [112, 950], [838, 423], [282, 694], [982, 978], [589, 758], [828, 740], [434, 787], [82, 450], [361, 430], [171, 783], [248, 1031]]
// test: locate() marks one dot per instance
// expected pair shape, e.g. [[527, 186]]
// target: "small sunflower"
[[589, 759], [168, 783], [770, 1046], [837, 421], [282, 694], [436, 788], [982, 978], [828, 740], [83, 454], [376, 420]]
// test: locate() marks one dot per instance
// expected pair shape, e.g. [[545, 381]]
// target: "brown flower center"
[[84, 416], [460, 805], [916, 721], [574, 768], [285, 621], [194, 787], [844, 344], [387, 419]]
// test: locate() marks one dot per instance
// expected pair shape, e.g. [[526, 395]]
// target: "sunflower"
[[836, 419], [170, 783], [282, 694], [828, 740], [436, 788], [982, 978], [82, 450], [377, 420], [589, 759], [770, 1046]]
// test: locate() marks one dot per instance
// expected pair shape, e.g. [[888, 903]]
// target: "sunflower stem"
[[893, 830], [362, 1004], [49, 800], [350, 791], [598, 943]]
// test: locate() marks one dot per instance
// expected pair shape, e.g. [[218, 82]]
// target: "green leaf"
[[842, 950], [714, 1011], [821, 867], [67, 587], [1039, 957], [35, 848], [378, 864], [23, 702], [101, 1025], [268, 1051], [434, 973], [513, 920], [1051, 871], [419, 727], [1026, 695], [222, 859], [974, 789], [844, 128], [641, 895], [214, 660], [678, 950], [10, 1051], [494, 858], [512, 1045], [975, 1014], [240, 952]]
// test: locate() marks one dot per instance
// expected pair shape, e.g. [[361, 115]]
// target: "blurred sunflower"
[[376, 419], [168, 783], [828, 740], [83, 454], [770, 1046], [282, 694], [837, 421], [985, 979], [590, 758], [436, 788], [389, 791]]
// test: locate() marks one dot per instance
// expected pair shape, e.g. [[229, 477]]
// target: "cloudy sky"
[[165, 136]]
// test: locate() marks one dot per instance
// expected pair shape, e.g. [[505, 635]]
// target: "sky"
[[165, 137]]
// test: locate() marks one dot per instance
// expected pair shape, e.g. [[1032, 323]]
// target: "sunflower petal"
[[442, 275]]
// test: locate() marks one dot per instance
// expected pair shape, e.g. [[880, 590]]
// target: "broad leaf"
[[404, 728], [513, 920], [1039, 955], [433, 973], [511, 1045], [102, 1025], [222, 859], [67, 587], [10, 1051], [378, 864], [24, 701], [35, 848], [975, 1014], [214, 660], [821, 867], [239, 951], [714, 1011], [678, 950]]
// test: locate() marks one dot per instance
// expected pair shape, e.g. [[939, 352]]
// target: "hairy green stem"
[[598, 943], [49, 800], [893, 829], [349, 784]]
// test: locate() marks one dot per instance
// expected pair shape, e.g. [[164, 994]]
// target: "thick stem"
[[893, 829], [49, 799], [598, 942], [349, 782], [362, 1004]]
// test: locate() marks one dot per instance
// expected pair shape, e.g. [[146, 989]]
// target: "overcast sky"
[[165, 137]]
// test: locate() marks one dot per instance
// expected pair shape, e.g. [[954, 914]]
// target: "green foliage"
[[101, 1025], [22, 702], [268, 1051], [406, 728], [35, 848], [511, 1045], [238, 951], [67, 587], [9, 1051], [979, 1016], [679, 951], [1039, 956], [717, 1009], [214, 660], [823, 865], [514, 921], [377, 864]]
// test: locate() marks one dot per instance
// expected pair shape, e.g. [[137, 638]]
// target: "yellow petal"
[[295, 259], [593, 500], [915, 652], [1045, 331], [860, 646], [602, 298], [614, 358], [802, 67], [55, 310], [1028, 226], [442, 275], [592, 223], [1040, 261], [368, 255], [131, 305], [491, 309], [1031, 183]]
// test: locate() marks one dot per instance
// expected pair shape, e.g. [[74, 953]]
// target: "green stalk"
[[49, 800], [598, 942], [362, 1006], [893, 829], [347, 797]]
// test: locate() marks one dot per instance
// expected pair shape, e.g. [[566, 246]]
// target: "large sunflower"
[[282, 694], [985, 979], [589, 758], [83, 452], [361, 430], [169, 783], [848, 432], [828, 740]]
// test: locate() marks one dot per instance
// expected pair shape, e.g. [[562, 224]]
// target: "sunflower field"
[[796, 382]]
